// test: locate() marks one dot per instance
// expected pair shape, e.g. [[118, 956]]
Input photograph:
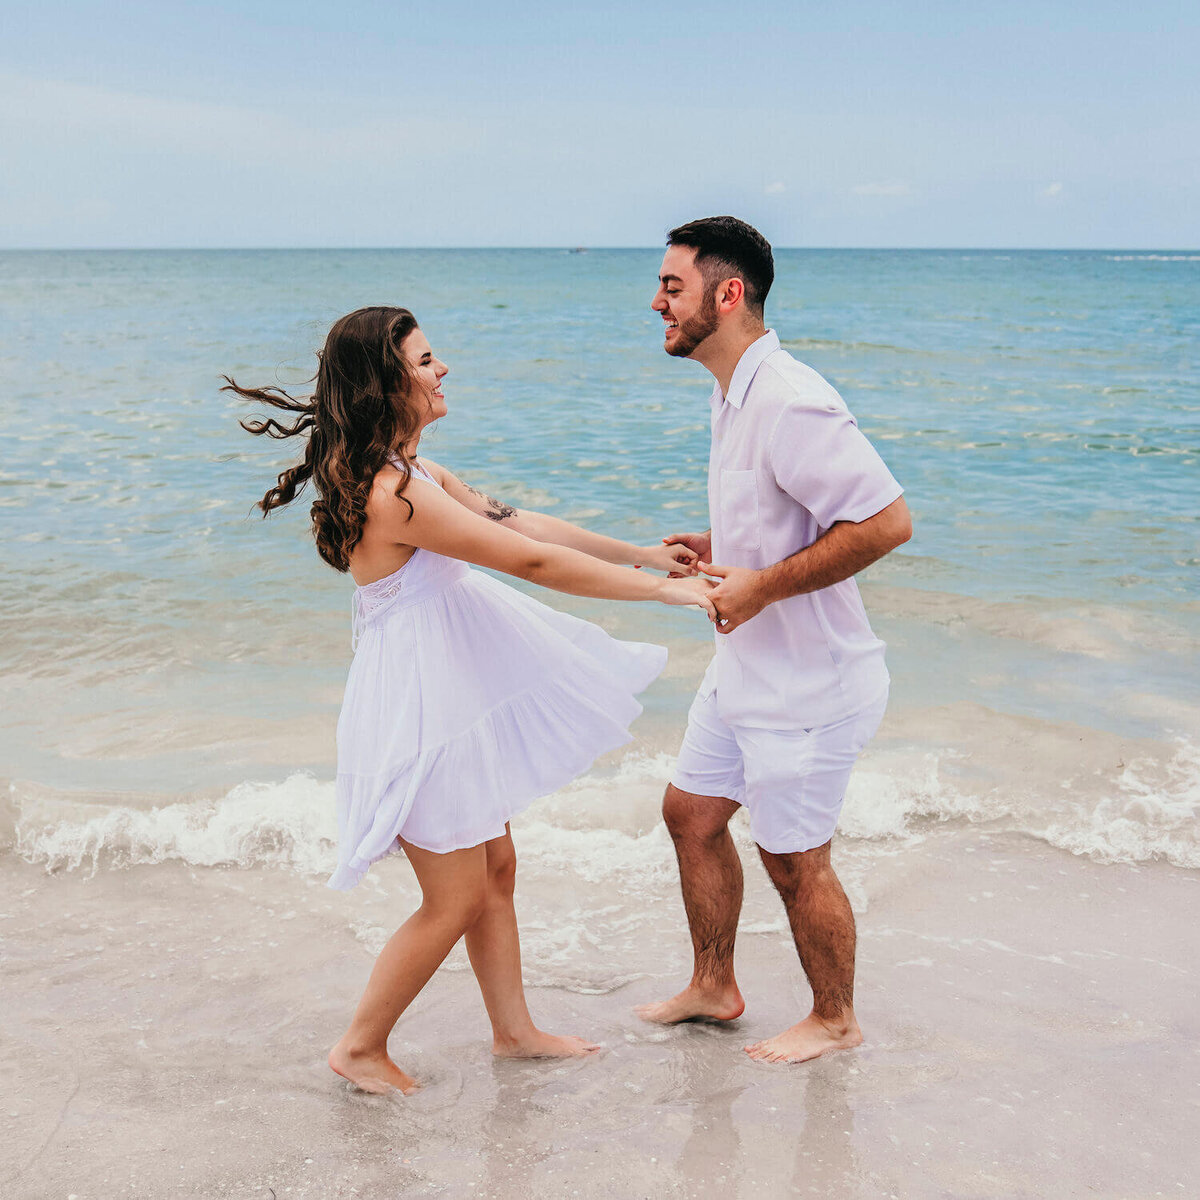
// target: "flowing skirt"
[[466, 701]]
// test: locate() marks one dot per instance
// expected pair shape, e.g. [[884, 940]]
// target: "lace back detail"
[[371, 599]]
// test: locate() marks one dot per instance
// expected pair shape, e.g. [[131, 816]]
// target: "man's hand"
[[699, 543], [675, 558], [740, 594]]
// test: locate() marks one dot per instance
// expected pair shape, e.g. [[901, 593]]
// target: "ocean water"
[[1019, 843], [173, 664]]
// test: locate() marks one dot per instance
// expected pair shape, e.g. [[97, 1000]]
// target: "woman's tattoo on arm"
[[497, 510]]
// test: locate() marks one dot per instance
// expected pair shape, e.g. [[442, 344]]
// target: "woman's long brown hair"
[[361, 415]]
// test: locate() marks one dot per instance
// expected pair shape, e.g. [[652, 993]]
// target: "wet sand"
[[1030, 1019]]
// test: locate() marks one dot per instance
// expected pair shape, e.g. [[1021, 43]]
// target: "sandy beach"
[[1030, 1019]]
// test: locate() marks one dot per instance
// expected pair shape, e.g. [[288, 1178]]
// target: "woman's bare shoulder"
[[393, 491], [441, 474]]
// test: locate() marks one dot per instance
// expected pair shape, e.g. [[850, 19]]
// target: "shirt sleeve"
[[823, 461]]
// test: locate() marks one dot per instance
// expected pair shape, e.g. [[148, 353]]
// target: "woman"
[[466, 699]]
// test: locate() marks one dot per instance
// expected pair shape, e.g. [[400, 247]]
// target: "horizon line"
[[585, 248]]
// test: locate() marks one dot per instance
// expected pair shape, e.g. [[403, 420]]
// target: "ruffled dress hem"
[[535, 750]]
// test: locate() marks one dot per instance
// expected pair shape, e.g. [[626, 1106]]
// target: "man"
[[799, 503]]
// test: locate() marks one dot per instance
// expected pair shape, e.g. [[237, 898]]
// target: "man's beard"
[[694, 330]]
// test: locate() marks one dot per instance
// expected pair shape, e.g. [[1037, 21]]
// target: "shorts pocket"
[[739, 510]]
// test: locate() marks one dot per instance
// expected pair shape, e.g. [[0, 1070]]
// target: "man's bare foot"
[[537, 1044], [372, 1072], [716, 1004], [810, 1039]]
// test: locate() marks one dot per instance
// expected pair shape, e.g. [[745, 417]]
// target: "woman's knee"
[[457, 910], [454, 886], [501, 869]]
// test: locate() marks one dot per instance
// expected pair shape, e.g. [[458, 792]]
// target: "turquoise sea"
[[1042, 410]]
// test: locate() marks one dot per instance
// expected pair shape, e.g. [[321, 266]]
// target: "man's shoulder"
[[793, 384]]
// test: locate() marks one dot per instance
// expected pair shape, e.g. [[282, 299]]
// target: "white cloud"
[[775, 189], [882, 189], [1055, 189]]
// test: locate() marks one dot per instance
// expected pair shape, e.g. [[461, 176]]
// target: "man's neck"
[[722, 351]]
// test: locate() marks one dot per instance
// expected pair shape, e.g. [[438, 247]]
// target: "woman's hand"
[[689, 591], [677, 560]]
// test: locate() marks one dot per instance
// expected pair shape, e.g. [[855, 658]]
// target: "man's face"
[[688, 306]]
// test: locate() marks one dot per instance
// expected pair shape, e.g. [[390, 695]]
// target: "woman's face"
[[428, 372]]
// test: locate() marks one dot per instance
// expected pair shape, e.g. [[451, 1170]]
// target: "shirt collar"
[[743, 374]]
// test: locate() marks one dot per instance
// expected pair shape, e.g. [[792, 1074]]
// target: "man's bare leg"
[[494, 948], [823, 927], [710, 874]]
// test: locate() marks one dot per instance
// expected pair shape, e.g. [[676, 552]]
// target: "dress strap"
[[417, 469]]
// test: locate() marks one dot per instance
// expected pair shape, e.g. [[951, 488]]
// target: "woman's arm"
[[442, 524], [543, 528]]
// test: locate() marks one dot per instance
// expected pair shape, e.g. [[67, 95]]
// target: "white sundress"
[[466, 701]]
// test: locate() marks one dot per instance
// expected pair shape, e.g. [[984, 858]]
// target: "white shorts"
[[793, 781]]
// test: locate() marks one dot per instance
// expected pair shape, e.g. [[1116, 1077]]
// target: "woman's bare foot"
[[371, 1071], [536, 1044], [716, 1004], [810, 1039]]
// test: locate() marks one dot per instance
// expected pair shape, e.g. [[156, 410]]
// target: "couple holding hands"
[[466, 699]]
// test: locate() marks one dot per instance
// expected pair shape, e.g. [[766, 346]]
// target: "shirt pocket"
[[739, 510]]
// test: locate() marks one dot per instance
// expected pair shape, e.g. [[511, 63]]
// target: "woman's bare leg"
[[453, 895], [494, 947]]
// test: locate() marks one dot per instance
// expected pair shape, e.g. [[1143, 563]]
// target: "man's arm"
[[843, 550]]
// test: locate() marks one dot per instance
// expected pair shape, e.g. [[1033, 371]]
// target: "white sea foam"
[[289, 823], [1154, 812], [605, 827], [1149, 809]]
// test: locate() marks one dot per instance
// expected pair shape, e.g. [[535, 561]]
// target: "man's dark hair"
[[726, 247]]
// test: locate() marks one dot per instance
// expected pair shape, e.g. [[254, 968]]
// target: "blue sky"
[[464, 124]]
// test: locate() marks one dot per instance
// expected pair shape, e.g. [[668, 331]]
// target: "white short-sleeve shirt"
[[787, 462]]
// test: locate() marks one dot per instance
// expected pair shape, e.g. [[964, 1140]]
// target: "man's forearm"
[[840, 552]]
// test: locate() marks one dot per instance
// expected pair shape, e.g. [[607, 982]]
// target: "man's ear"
[[730, 294]]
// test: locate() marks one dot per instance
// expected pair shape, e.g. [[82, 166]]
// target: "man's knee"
[[695, 818], [799, 870]]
